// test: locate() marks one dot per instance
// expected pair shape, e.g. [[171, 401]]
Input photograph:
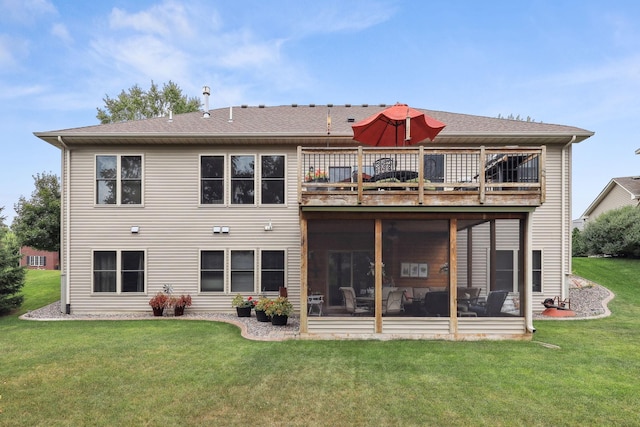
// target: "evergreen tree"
[[11, 274]]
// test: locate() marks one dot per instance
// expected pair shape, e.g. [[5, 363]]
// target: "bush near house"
[[615, 233]]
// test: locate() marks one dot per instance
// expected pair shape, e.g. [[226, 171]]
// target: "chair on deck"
[[436, 303], [383, 165], [394, 303], [350, 302], [492, 307]]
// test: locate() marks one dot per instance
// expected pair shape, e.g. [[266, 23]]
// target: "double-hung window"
[[536, 273], [211, 180], [272, 180], [242, 271], [212, 271], [272, 271], [118, 180], [243, 180], [118, 271]]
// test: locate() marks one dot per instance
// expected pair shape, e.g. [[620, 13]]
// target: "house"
[[250, 199], [619, 192], [35, 259]]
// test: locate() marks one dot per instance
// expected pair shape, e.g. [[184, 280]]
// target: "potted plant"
[[179, 304], [243, 307], [317, 175], [261, 308], [158, 303], [280, 309]]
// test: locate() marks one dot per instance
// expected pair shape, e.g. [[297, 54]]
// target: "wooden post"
[[304, 254], [378, 275], [453, 276]]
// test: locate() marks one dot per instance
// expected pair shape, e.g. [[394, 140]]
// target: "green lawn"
[[174, 372]]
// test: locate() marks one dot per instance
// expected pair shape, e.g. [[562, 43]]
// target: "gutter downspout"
[[566, 243], [65, 206]]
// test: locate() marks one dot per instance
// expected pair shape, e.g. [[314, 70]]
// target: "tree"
[[11, 274], [37, 221], [136, 104], [615, 233], [579, 248], [2, 218]]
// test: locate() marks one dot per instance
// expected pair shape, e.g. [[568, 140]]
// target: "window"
[[536, 273], [272, 272], [36, 261], [242, 180], [118, 274], [211, 180], [272, 173], [119, 180], [504, 271], [212, 271], [242, 271]]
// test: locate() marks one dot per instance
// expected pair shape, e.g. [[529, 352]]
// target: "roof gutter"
[[66, 214]]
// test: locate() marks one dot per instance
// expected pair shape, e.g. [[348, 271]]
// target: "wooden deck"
[[415, 176]]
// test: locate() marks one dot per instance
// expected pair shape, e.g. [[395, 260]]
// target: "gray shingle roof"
[[306, 123]]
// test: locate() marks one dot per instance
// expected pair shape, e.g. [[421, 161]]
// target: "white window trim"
[[256, 181], [118, 181], [541, 291], [259, 181], [259, 269], [119, 272]]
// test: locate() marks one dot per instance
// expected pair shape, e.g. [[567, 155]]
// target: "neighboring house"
[[618, 193], [39, 260], [250, 199]]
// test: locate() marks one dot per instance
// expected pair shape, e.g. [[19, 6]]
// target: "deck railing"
[[420, 172]]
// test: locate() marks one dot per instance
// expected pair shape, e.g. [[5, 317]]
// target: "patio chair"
[[436, 304], [394, 303], [351, 304], [383, 165], [492, 307]]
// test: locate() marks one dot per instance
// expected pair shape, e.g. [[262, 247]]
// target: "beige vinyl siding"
[[174, 228], [547, 229], [616, 198]]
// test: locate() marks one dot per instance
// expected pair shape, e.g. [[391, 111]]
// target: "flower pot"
[[157, 311], [278, 320], [261, 316], [243, 311], [178, 311]]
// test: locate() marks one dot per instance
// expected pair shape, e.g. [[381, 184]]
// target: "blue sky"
[[557, 61]]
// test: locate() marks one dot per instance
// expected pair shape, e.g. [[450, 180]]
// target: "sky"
[[570, 62]]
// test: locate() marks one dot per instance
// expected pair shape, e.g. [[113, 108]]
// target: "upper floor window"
[[243, 180], [272, 177], [212, 180], [118, 271], [119, 180]]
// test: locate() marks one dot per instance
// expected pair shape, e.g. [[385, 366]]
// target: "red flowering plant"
[[181, 301], [316, 175], [159, 300], [239, 302], [280, 306]]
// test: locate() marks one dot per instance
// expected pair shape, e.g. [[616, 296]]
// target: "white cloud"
[[12, 50], [25, 11], [60, 31], [166, 19]]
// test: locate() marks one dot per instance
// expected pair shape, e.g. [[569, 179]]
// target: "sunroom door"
[[348, 268]]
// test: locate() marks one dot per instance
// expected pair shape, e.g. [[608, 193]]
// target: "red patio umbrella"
[[395, 124]]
